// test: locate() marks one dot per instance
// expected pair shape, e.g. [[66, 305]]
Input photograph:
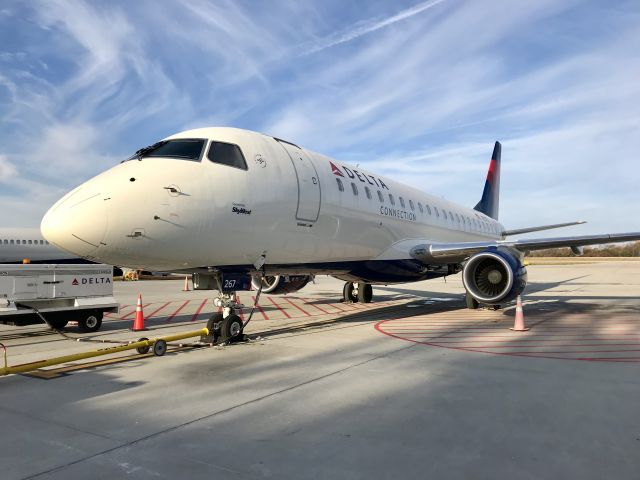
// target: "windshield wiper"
[[143, 151]]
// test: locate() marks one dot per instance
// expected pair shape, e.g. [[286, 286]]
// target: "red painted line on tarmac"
[[264, 315], [315, 306], [546, 355], [124, 317], [340, 306], [571, 352], [524, 340], [321, 309], [279, 307], [178, 310], [195, 315], [157, 310], [299, 308]]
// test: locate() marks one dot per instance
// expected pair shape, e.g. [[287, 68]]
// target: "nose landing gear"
[[226, 327], [357, 292]]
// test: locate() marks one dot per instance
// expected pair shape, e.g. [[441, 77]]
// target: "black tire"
[[90, 321], [214, 324], [348, 293], [472, 303], [159, 348], [365, 292], [143, 350], [231, 329]]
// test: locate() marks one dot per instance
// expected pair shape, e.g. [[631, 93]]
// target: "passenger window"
[[226, 154], [368, 192], [444, 214], [6, 242], [437, 212], [392, 200], [428, 209], [401, 201], [24, 242], [29, 242], [458, 218], [47, 242], [41, 242], [340, 185], [380, 196], [354, 188], [420, 207], [11, 242], [411, 204]]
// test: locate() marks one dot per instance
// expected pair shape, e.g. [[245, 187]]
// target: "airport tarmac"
[[411, 386]]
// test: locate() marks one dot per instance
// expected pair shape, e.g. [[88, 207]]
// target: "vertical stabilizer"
[[490, 202]]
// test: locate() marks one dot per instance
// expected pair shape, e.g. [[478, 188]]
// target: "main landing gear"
[[357, 292], [472, 303], [226, 327]]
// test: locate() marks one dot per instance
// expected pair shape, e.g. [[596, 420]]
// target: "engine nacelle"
[[280, 284], [494, 276]]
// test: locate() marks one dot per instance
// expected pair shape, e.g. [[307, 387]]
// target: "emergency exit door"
[[308, 184]]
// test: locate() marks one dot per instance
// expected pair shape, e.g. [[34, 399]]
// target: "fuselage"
[[20, 244], [241, 195]]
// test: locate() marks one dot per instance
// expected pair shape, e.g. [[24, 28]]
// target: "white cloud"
[[7, 169]]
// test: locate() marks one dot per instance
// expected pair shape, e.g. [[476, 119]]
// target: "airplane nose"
[[77, 223]]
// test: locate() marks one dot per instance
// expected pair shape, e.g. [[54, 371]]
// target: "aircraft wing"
[[458, 252]]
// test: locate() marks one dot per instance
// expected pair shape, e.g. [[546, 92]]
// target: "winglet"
[[490, 201]]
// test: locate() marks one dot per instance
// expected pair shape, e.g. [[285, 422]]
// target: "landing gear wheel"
[[231, 329], [214, 326], [471, 302], [143, 350], [159, 348], [365, 292], [349, 294], [90, 322]]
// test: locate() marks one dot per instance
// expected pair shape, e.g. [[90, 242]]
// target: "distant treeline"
[[611, 250]]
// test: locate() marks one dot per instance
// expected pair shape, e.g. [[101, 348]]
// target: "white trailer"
[[57, 293]]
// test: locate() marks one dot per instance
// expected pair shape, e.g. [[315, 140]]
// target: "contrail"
[[372, 26]]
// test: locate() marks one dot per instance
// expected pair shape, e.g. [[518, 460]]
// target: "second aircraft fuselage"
[[300, 209]]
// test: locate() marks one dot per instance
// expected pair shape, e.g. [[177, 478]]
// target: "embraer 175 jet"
[[225, 203]]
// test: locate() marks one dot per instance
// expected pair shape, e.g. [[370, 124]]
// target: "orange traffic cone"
[[518, 324], [138, 323], [186, 284]]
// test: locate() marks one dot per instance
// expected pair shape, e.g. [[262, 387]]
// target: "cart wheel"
[[143, 349], [159, 348], [90, 322]]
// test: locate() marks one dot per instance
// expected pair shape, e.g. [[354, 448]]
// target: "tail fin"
[[490, 202]]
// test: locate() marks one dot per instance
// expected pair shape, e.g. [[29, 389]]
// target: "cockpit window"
[[181, 148], [227, 154]]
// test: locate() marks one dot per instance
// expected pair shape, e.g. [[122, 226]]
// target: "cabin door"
[[308, 183]]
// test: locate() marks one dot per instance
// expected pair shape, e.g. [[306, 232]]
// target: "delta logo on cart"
[[353, 174], [91, 281]]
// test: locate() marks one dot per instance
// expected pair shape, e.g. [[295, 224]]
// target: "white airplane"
[[225, 203], [27, 244]]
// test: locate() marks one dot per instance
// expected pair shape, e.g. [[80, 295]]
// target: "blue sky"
[[417, 91]]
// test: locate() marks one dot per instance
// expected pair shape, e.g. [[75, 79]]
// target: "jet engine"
[[494, 276], [280, 284]]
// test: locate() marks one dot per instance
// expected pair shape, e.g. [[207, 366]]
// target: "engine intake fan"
[[492, 277]]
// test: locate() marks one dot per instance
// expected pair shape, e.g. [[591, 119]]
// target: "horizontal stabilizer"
[[518, 231]]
